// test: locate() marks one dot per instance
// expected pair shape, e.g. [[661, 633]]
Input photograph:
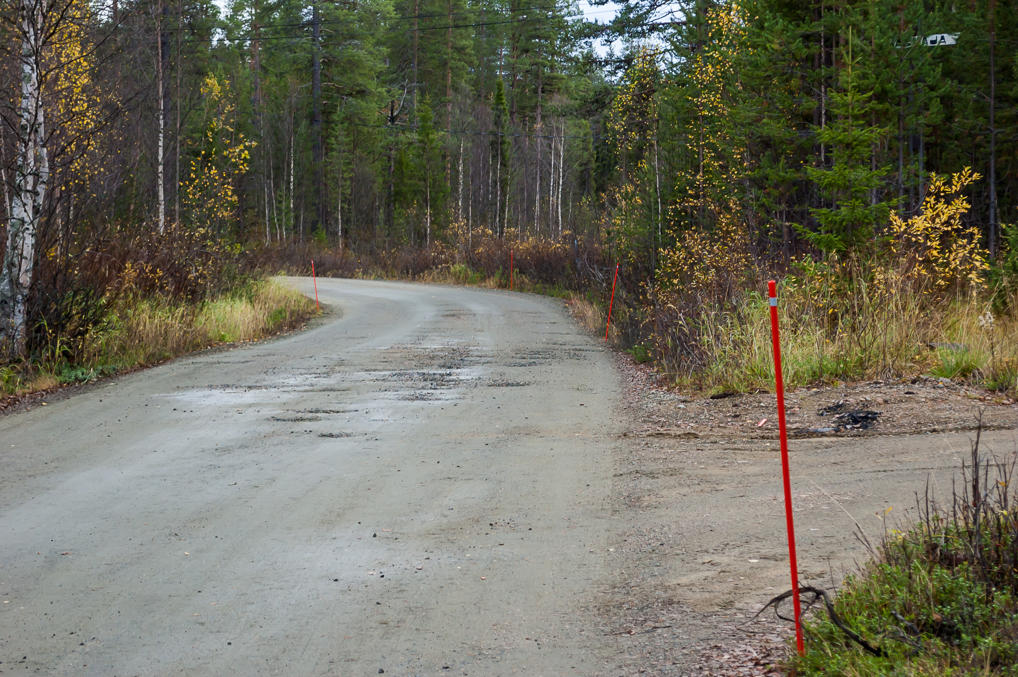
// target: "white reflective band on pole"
[[774, 300]]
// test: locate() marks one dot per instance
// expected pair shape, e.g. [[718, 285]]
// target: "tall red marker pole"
[[314, 281], [612, 302], [783, 435]]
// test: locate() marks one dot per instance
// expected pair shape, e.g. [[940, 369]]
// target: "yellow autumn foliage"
[[209, 189], [935, 246], [709, 263], [633, 112], [713, 76], [74, 100]]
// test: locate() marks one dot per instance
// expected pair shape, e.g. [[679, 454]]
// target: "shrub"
[[941, 597]]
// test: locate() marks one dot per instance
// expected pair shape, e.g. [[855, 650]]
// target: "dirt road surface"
[[702, 542], [433, 481], [418, 485]]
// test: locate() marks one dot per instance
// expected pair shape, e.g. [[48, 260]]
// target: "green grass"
[[951, 626], [640, 353], [961, 362], [941, 598]]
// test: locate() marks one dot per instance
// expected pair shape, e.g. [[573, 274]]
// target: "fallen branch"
[[819, 594]]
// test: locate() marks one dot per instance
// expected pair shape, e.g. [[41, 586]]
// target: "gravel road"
[[439, 481], [418, 484]]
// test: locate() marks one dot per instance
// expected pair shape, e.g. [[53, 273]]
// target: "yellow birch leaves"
[[209, 191]]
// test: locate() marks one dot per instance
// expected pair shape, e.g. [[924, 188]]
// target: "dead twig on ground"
[[819, 594]]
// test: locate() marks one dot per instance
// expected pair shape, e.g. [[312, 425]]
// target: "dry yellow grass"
[[142, 332], [586, 313]]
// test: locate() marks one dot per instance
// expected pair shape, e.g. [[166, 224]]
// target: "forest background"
[[160, 158]]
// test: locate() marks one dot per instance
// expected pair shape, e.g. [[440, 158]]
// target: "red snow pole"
[[612, 302], [510, 269], [783, 436]]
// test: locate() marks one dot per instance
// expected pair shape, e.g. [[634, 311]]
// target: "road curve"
[[417, 484]]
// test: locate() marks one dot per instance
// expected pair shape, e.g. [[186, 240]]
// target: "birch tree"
[[31, 175]]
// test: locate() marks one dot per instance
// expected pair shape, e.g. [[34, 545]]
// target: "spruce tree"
[[852, 214]]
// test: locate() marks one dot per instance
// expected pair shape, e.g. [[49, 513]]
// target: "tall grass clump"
[[940, 598], [146, 330], [139, 330]]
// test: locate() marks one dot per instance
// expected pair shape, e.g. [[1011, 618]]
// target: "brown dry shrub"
[[74, 290], [294, 258]]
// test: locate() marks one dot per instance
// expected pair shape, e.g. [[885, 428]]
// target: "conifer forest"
[[158, 155]]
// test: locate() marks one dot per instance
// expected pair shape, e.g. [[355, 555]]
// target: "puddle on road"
[[228, 396], [425, 396], [422, 372], [508, 384]]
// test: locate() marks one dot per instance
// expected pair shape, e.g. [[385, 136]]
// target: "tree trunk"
[[551, 182], [272, 192], [390, 198], [992, 174], [176, 136], [561, 174], [256, 101], [316, 120], [161, 189], [417, 41], [498, 188], [448, 96], [265, 188], [657, 194], [525, 202], [505, 218], [30, 179], [823, 85], [290, 216], [3, 174], [470, 210], [459, 210], [339, 205], [537, 164]]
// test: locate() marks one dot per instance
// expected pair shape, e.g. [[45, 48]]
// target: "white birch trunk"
[[427, 214], [561, 174], [291, 214], [162, 121], [537, 183], [176, 132], [268, 233], [272, 192], [498, 190], [551, 183], [339, 205], [505, 220], [30, 179], [3, 174], [657, 194], [459, 212]]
